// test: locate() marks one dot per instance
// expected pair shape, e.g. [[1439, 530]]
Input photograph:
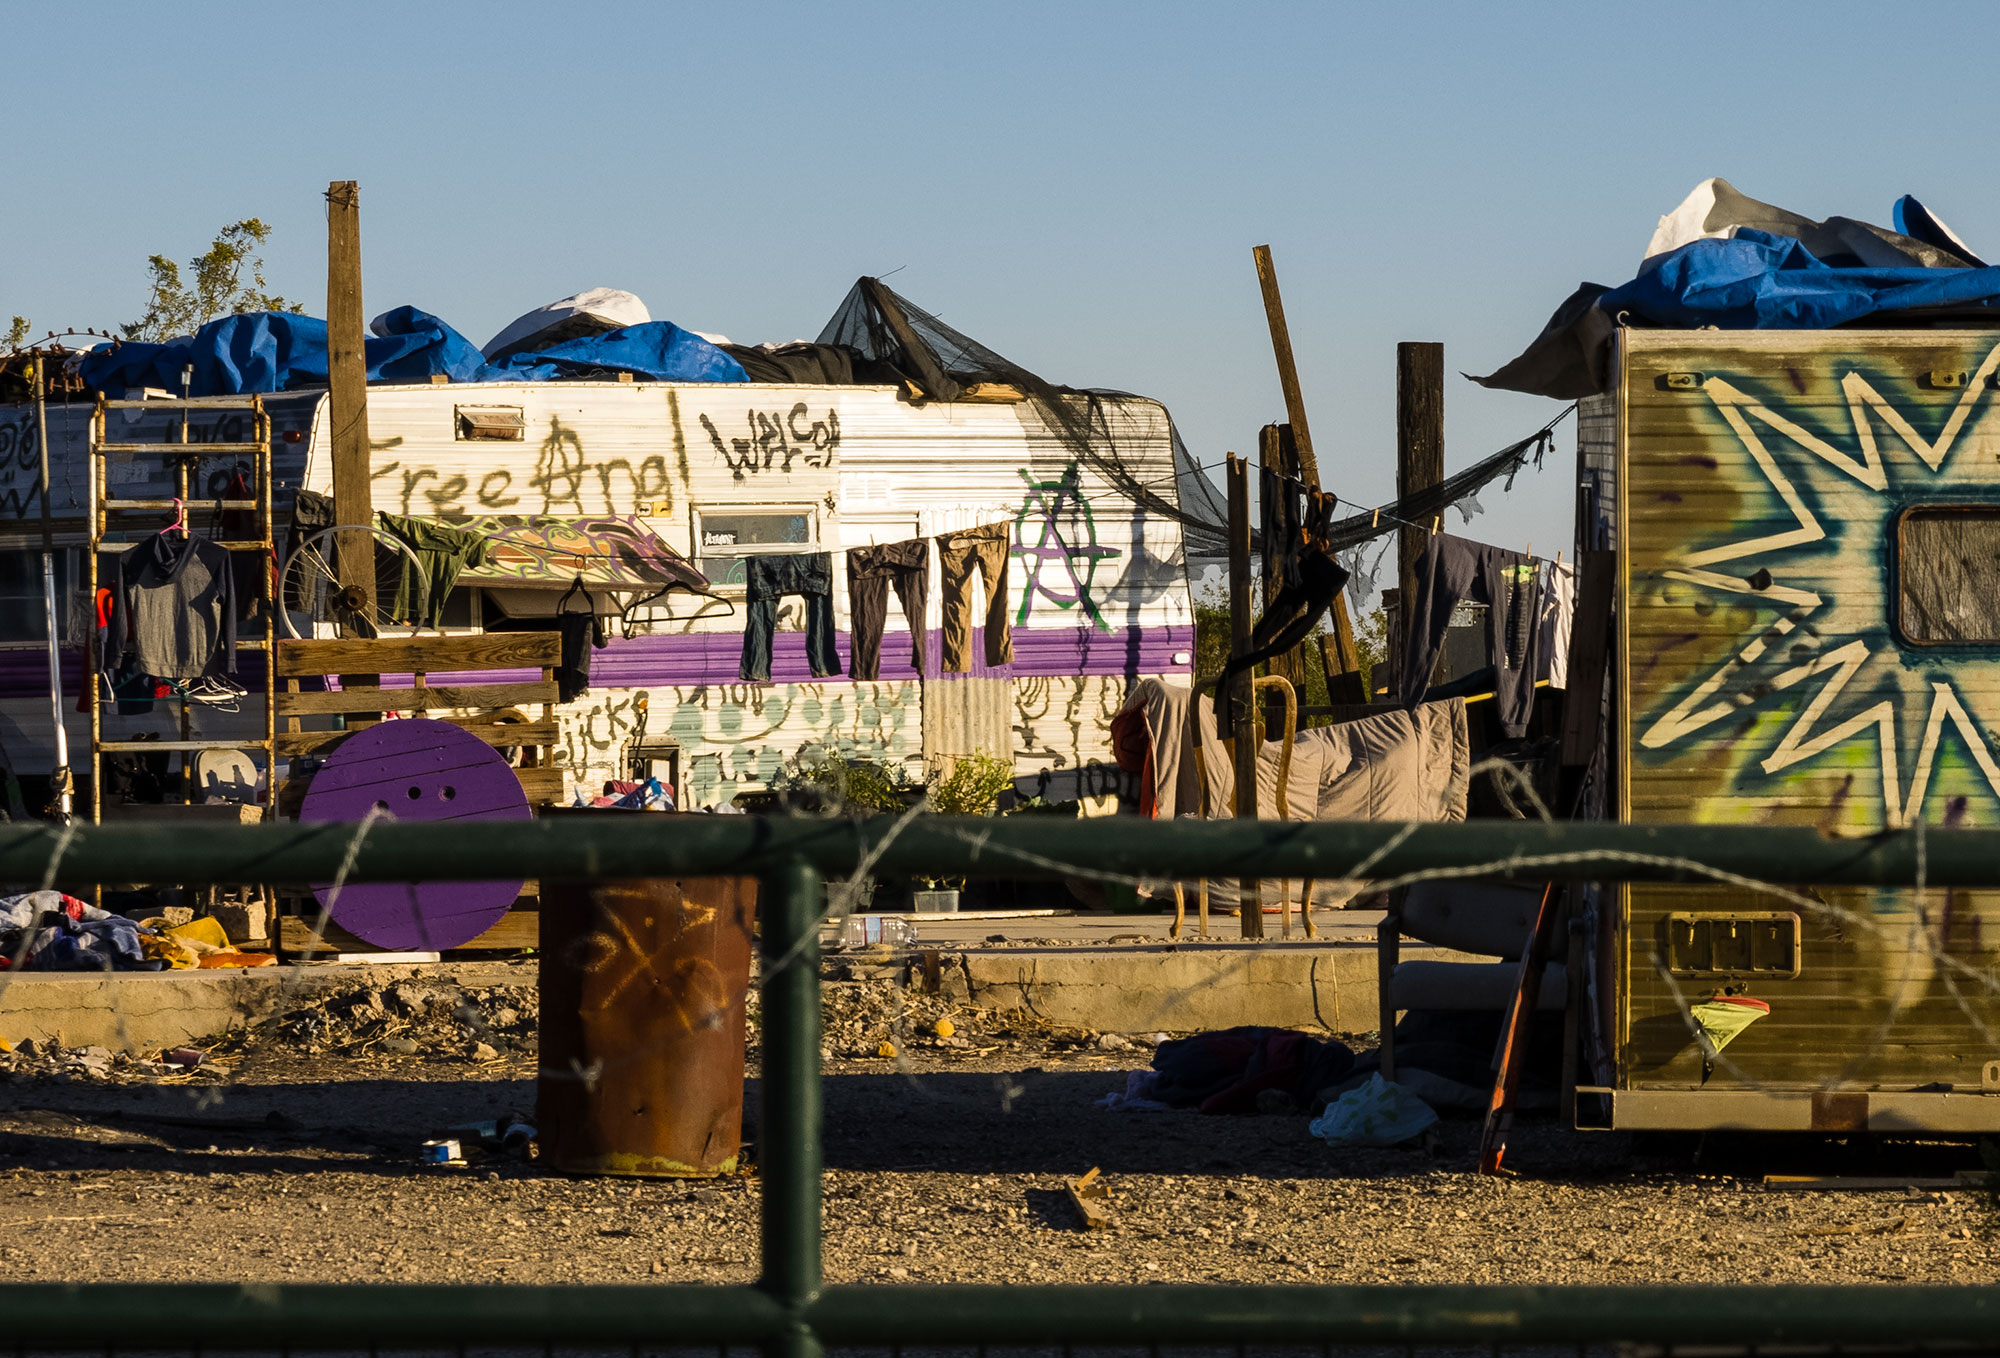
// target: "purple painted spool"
[[418, 769]]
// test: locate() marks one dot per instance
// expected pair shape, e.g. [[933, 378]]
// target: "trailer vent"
[[500, 424]]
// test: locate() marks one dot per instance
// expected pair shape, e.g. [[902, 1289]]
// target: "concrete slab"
[[146, 1011], [1110, 973], [1187, 987]]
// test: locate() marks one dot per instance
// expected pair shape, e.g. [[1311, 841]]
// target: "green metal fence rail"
[[789, 1312]]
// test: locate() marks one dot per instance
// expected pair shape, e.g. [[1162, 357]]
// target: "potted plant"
[[970, 786]]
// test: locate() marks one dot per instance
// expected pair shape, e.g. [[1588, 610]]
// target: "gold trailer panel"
[[1809, 538]]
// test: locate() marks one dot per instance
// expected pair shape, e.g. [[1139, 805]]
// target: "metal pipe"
[[788, 1117], [639, 846], [64, 799], [50, 1316], [1740, 1317], [220, 1316]]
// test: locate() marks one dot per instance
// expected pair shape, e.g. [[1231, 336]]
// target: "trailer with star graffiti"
[[1807, 529]]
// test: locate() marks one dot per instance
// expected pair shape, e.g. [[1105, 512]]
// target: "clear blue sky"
[[1076, 185]]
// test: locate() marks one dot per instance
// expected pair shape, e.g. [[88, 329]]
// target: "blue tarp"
[[1753, 281], [277, 351], [1758, 281], [657, 349]]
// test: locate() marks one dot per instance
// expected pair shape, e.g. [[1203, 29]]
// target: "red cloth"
[[1132, 748]]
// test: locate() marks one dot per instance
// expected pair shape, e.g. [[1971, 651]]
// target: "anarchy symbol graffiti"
[[1057, 543]]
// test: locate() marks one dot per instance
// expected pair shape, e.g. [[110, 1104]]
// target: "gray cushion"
[[1475, 917], [1470, 985]]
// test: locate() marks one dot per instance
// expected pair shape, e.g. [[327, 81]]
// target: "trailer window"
[[1948, 574], [23, 617], [724, 537]]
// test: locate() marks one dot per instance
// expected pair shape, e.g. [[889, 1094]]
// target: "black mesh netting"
[[939, 363]]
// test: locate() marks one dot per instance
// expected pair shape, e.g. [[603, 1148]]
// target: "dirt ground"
[[293, 1158]]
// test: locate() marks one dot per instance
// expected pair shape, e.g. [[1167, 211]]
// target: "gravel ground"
[[291, 1158]]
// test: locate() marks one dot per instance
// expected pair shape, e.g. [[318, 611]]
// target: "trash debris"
[[187, 1058], [1721, 1019], [1140, 1086], [444, 1152], [943, 1028], [1091, 1199], [1223, 1072], [1377, 1114], [863, 931]]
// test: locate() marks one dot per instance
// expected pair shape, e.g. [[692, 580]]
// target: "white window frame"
[[810, 512]]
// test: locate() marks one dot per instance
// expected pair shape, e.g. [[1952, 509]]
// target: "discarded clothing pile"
[[1225, 1072], [49, 931], [625, 795], [872, 572], [1724, 260]]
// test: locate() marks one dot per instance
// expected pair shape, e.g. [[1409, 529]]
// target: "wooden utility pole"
[[1419, 450], [1250, 909], [1288, 371], [347, 404]]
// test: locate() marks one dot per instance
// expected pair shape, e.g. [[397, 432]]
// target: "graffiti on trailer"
[[1054, 532], [21, 455], [565, 479], [775, 440], [20, 464], [738, 735], [1838, 488]]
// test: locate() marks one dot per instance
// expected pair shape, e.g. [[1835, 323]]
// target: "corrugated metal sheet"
[[1765, 681]]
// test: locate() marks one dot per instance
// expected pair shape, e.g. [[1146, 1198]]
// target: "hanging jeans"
[[768, 579], [870, 573], [958, 553], [1454, 569]]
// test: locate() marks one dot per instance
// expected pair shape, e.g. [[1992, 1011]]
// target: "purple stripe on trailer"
[[418, 769]]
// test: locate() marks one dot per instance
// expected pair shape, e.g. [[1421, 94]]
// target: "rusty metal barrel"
[[642, 988]]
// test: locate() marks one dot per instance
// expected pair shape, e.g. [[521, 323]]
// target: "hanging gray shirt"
[[173, 607]]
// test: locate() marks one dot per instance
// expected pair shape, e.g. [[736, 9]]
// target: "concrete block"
[[1188, 988]]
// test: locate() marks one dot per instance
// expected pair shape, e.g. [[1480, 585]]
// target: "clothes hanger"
[[180, 519], [562, 604]]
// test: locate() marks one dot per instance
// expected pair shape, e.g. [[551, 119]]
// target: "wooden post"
[[1419, 448], [1250, 912], [1288, 372], [347, 398]]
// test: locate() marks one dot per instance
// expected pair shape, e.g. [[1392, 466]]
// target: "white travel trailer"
[[621, 484]]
